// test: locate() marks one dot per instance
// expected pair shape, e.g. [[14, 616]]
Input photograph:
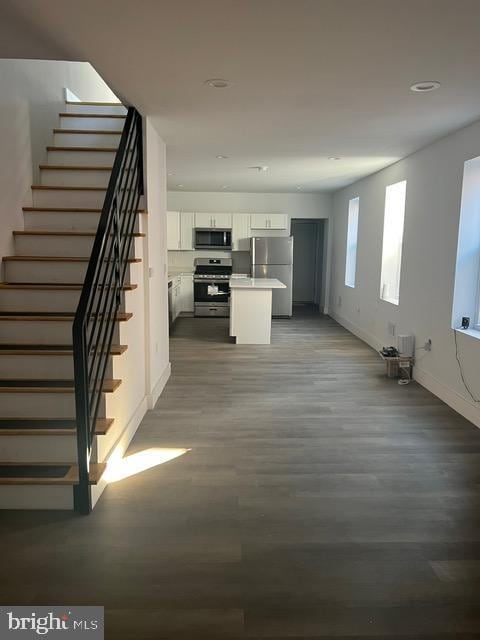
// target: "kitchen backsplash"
[[184, 259]]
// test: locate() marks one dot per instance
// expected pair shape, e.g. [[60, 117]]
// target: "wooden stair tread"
[[55, 259], [61, 232], [63, 167], [93, 115], [47, 316], [29, 473], [95, 103], [66, 210], [102, 149], [20, 385], [47, 187], [48, 426], [49, 349], [45, 286], [94, 131]]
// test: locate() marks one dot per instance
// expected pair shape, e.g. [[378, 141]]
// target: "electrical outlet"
[[428, 344], [392, 329]]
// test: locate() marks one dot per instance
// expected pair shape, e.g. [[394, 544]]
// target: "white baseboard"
[[159, 387], [450, 397], [121, 445], [447, 395], [367, 337]]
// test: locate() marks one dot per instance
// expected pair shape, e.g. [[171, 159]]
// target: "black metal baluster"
[[100, 299]]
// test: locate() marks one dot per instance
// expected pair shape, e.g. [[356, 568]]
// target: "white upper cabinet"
[[186, 231], [203, 220], [278, 221], [213, 220], [269, 221], [259, 221], [173, 230], [241, 232], [222, 220]]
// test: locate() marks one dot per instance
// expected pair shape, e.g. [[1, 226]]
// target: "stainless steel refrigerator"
[[273, 258]]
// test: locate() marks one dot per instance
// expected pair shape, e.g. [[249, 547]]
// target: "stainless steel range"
[[211, 288]]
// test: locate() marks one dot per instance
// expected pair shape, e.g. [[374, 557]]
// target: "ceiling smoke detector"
[[179, 186], [334, 158], [259, 168], [425, 86], [220, 157], [217, 83]]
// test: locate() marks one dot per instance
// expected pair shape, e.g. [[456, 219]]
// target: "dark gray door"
[[304, 260]]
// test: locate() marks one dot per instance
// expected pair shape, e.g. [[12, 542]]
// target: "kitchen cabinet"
[[182, 295], [179, 231], [269, 221], [173, 230], [186, 294], [213, 220], [186, 231], [241, 232], [176, 285]]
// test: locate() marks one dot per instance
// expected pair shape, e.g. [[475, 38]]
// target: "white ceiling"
[[310, 79]]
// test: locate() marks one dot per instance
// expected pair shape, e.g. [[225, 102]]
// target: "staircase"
[[38, 301]]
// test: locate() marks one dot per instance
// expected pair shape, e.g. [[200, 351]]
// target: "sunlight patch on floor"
[[120, 468]]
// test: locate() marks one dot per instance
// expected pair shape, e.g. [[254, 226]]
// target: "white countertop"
[[256, 283]]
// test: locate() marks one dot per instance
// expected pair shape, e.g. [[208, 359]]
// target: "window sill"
[[473, 333], [392, 301]]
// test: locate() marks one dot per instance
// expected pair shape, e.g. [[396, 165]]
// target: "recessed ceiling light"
[[224, 186], [425, 86], [217, 83], [180, 185], [170, 174], [334, 158], [259, 168], [299, 187], [220, 157]]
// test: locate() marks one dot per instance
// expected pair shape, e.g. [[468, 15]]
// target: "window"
[[352, 235], [466, 300], [393, 241]]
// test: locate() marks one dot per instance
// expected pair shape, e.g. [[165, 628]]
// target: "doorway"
[[308, 260]]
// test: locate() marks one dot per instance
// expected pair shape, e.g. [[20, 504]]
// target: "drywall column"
[[156, 311]]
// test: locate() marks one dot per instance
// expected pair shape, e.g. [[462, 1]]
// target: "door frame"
[[322, 230]]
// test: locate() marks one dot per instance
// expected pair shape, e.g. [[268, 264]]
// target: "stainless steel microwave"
[[213, 239]]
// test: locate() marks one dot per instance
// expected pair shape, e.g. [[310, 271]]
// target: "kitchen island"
[[251, 309]]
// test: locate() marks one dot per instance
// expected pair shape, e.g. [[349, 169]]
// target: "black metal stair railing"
[[100, 299]]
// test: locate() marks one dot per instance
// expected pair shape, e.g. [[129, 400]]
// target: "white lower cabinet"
[[182, 295], [176, 297], [186, 294]]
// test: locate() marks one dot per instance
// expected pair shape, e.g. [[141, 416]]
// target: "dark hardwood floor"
[[318, 500]]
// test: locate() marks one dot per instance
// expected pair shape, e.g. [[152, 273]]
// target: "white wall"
[[31, 97], [434, 187], [156, 313], [295, 205]]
